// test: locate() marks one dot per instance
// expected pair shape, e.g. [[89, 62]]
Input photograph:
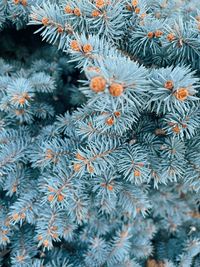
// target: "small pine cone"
[[116, 89], [98, 84], [87, 48], [169, 85], [181, 94]]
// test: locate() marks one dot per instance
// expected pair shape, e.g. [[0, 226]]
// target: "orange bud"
[[134, 3], [55, 235], [137, 10], [158, 33], [22, 101], [176, 129], [143, 15], [20, 258], [15, 216], [49, 154], [110, 187], [87, 48], [170, 37], [169, 85], [150, 35], [50, 198], [137, 173], [60, 29], [77, 167], [129, 8], [24, 2], [110, 121], [60, 197], [51, 189], [92, 68], [14, 188], [75, 45], [100, 3], [16, 2], [90, 169], [78, 156], [45, 21], [181, 94], [98, 84], [77, 12], [116, 89], [95, 13], [39, 237], [117, 113], [68, 9]]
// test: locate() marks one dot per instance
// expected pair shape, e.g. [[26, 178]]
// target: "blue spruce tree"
[[100, 133]]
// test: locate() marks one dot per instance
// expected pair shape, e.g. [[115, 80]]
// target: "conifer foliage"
[[100, 134]]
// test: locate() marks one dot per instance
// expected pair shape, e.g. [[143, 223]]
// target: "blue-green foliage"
[[100, 166]]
